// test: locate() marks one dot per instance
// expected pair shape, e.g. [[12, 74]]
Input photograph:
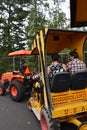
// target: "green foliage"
[[44, 14], [36, 20], [13, 14], [12, 25], [20, 20], [57, 16]]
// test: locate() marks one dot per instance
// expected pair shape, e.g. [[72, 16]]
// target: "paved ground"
[[16, 116]]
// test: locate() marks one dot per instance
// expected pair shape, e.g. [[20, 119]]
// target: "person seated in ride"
[[24, 69], [75, 64], [55, 66]]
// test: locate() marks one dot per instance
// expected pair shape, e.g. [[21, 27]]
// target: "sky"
[[66, 8]]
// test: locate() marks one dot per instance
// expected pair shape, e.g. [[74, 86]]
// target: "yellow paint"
[[69, 96], [69, 109], [65, 104]]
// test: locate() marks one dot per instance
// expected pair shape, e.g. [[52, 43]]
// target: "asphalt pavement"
[[16, 116]]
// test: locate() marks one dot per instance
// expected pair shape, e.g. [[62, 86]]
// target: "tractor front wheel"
[[16, 90]]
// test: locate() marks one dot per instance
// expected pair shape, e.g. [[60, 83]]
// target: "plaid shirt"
[[76, 65]]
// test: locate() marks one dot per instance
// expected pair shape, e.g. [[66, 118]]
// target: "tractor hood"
[[78, 10], [20, 53]]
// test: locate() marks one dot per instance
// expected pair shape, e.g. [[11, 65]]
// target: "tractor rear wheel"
[[47, 123], [16, 90], [2, 90]]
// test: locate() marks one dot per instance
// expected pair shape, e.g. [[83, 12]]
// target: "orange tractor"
[[17, 83]]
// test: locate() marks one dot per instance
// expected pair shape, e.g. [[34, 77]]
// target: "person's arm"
[[64, 67], [48, 69]]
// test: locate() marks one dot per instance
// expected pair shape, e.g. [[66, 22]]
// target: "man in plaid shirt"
[[75, 64]]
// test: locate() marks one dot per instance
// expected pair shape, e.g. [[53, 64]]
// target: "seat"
[[60, 82], [79, 80]]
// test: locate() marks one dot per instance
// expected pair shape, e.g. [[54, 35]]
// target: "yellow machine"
[[65, 100], [78, 9]]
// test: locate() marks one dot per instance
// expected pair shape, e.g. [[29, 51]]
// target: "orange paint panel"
[[20, 53]]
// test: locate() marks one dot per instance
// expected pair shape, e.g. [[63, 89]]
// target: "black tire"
[[2, 90], [6, 83], [16, 90], [47, 123]]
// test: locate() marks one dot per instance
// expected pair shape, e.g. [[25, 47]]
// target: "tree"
[[57, 18], [13, 14], [36, 20], [12, 26], [44, 14]]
